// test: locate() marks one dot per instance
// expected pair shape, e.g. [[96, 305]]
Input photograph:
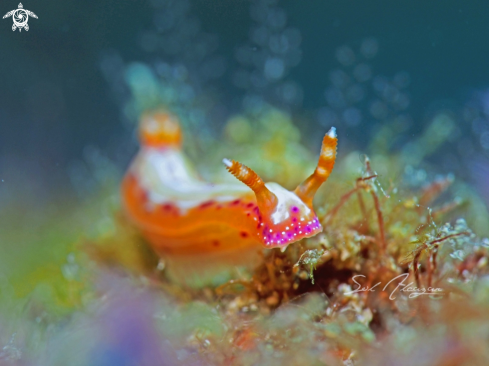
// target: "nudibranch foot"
[[214, 269]]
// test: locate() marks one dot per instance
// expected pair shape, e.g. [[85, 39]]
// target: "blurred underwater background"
[[261, 81]]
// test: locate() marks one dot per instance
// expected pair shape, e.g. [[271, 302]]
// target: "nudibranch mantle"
[[200, 227], [166, 176]]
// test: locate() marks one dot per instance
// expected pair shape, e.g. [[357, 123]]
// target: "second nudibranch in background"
[[201, 229]]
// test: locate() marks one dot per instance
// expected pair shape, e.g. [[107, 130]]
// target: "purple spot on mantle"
[[167, 206], [207, 204], [295, 209]]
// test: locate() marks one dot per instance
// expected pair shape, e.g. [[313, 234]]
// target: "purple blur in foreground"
[[128, 334]]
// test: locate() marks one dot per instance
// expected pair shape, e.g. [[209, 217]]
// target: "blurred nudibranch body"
[[199, 226]]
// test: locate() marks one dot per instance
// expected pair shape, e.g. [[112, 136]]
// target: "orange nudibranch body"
[[191, 221]]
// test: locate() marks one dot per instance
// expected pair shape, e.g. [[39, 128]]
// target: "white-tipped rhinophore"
[[307, 189], [227, 162]]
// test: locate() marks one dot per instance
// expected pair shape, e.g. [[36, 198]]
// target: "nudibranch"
[[199, 228]]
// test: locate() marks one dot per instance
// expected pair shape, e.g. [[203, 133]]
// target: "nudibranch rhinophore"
[[199, 228]]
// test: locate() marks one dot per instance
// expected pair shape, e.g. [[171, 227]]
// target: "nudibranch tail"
[[306, 190], [160, 129], [265, 198]]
